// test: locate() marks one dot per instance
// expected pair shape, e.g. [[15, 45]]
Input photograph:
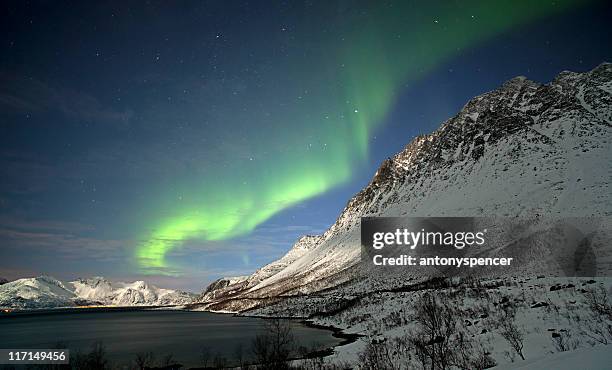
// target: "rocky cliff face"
[[523, 149]]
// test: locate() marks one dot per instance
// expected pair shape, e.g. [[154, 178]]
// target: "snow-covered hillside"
[[229, 286], [596, 358], [521, 150], [47, 292], [555, 320]]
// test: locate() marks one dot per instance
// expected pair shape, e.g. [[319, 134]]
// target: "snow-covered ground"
[[554, 316], [596, 358]]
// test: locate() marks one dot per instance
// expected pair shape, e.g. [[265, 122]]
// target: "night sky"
[[177, 142]]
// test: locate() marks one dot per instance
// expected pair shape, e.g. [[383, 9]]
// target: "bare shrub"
[[167, 360], [436, 343], [377, 356], [599, 326], [394, 320], [94, 360], [598, 330], [599, 303], [511, 332], [469, 355], [143, 360], [564, 342]]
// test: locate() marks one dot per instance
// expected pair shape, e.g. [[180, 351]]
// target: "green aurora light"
[[352, 84]]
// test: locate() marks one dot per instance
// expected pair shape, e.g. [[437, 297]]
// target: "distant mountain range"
[[523, 149], [48, 292]]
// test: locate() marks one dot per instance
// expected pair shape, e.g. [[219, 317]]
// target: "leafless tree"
[[599, 303], [437, 343], [511, 332], [273, 348], [436, 324]]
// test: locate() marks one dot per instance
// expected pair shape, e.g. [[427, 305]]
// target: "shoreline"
[[347, 338], [336, 332]]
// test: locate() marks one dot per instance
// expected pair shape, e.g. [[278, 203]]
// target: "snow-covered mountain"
[[520, 150], [229, 286], [47, 292], [218, 286]]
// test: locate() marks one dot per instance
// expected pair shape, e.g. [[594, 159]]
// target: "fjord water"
[[125, 333]]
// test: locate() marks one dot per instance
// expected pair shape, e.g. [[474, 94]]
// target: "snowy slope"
[[301, 248], [546, 310], [523, 149], [596, 358], [47, 292], [229, 286]]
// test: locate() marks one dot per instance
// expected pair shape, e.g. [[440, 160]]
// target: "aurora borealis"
[[351, 84], [189, 140]]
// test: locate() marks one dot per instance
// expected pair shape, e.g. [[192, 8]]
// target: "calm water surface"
[[125, 333]]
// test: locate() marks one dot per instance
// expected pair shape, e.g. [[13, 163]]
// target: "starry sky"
[[178, 142]]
